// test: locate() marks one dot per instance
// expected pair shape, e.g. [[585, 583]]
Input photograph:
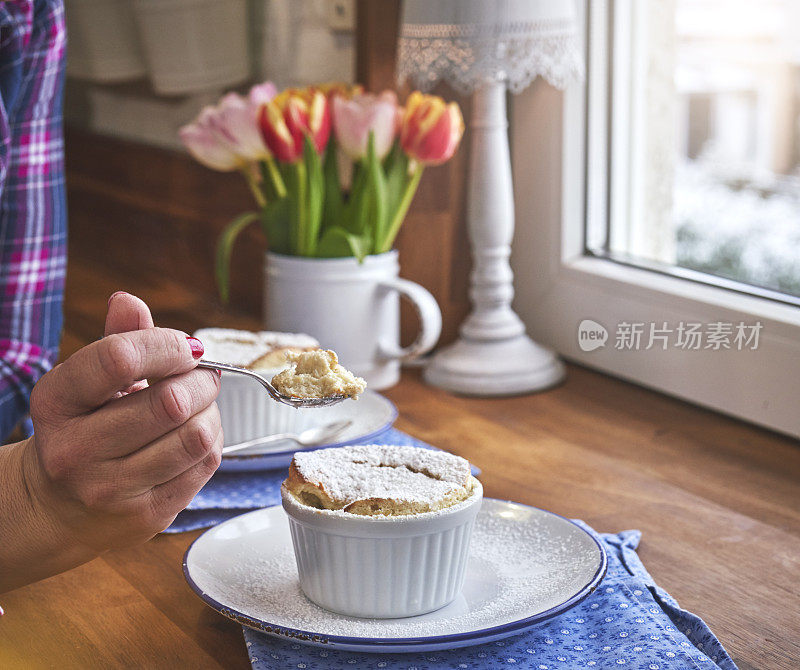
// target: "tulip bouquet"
[[332, 169]]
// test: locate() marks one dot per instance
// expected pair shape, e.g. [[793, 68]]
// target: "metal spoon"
[[273, 392], [308, 438]]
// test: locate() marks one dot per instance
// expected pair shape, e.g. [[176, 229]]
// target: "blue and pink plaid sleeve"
[[33, 222]]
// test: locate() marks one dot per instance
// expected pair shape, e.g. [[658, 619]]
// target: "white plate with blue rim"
[[526, 565], [372, 415]]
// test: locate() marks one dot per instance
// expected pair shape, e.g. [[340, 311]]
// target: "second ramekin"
[[382, 567], [247, 412]]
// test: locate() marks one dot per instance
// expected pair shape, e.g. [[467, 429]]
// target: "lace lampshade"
[[470, 42]]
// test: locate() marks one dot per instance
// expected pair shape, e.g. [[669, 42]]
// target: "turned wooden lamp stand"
[[494, 355], [487, 47]]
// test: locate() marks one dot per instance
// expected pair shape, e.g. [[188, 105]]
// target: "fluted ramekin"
[[247, 412], [382, 567]]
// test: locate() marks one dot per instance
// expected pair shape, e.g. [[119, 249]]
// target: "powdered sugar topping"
[[402, 473]]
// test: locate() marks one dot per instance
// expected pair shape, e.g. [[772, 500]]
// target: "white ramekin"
[[382, 567], [247, 412]]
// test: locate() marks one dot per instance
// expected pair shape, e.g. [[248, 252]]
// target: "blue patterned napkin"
[[229, 494], [628, 622]]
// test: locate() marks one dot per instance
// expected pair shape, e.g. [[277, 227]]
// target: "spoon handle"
[[238, 369], [259, 441]]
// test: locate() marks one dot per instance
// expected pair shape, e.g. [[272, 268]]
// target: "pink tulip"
[[234, 122], [205, 145], [226, 137], [356, 117]]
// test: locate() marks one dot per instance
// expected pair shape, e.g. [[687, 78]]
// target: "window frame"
[[560, 283]]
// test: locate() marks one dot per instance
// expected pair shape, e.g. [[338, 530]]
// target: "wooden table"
[[717, 501]]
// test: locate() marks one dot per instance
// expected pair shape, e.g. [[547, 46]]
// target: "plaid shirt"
[[33, 222]]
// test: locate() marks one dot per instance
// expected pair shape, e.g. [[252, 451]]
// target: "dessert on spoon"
[[317, 374], [314, 378], [275, 394]]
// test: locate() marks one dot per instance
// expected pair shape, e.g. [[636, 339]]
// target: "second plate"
[[371, 415]]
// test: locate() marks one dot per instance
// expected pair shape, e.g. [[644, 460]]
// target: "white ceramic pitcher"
[[352, 308]]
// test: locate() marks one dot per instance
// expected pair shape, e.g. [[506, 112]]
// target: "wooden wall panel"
[[376, 42], [140, 210]]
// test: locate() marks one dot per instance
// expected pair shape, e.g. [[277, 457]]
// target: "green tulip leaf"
[[297, 185], [337, 242], [353, 216], [333, 202], [225, 243], [377, 192], [316, 195], [396, 168], [276, 222]]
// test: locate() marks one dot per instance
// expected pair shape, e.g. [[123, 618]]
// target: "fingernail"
[[219, 373], [197, 347], [113, 295]]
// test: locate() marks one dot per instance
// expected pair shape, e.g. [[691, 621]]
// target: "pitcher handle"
[[430, 318]]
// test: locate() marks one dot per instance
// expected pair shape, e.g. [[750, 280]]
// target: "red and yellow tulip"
[[292, 115], [431, 129]]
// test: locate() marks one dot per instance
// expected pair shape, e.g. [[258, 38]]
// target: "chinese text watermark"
[[686, 335]]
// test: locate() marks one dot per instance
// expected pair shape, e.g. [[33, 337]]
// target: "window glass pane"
[[711, 123]]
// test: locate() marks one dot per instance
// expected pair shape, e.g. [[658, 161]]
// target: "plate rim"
[[393, 414], [412, 642]]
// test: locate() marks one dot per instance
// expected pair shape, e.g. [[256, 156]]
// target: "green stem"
[[302, 209], [402, 210], [377, 188], [255, 189], [275, 176]]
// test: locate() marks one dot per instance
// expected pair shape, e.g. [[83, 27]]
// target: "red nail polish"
[[113, 295], [197, 347], [219, 373]]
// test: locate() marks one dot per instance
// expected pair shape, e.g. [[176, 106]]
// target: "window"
[[705, 141], [670, 202]]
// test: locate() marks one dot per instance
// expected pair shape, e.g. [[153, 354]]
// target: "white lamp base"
[[493, 356], [512, 366]]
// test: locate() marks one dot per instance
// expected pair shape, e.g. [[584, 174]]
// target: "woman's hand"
[[112, 460]]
